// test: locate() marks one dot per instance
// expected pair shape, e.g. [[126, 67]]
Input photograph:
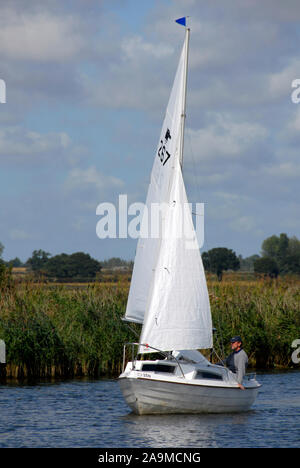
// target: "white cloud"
[[90, 178], [243, 224], [280, 83], [15, 141], [125, 88], [20, 234], [285, 170], [271, 10], [135, 48], [292, 127], [226, 138], [39, 36], [224, 206]]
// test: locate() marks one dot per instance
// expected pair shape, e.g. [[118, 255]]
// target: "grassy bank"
[[67, 331]]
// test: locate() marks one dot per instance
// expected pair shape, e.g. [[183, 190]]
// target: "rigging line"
[[195, 173], [220, 342], [221, 338], [195, 191], [220, 359], [196, 214], [133, 331]]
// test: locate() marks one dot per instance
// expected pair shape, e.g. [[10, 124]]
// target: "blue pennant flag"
[[181, 21]]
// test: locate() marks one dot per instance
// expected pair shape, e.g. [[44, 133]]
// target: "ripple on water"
[[92, 413]]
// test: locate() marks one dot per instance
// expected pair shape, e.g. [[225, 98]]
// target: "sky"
[[87, 84]]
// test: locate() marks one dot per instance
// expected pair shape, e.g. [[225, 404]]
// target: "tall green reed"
[[53, 330]]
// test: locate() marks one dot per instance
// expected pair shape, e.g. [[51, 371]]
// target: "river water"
[[92, 413]]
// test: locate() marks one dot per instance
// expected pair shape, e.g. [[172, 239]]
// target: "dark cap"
[[236, 338]]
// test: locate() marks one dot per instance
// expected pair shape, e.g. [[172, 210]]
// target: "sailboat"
[[168, 295]]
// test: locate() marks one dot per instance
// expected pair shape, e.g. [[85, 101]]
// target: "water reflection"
[[181, 430]]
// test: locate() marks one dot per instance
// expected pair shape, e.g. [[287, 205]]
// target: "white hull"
[[157, 397], [150, 393]]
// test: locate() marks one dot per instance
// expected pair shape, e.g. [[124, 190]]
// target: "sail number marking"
[[162, 153]]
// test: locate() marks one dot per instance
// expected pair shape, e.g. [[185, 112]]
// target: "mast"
[[183, 115], [170, 146]]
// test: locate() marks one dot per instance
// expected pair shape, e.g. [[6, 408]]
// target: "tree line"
[[279, 255], [78, 266]]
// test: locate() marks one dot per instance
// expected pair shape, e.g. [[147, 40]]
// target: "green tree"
[[247, 264], [219, 259], [270, 246], [6, 280], [38, 260], [294, 246], [276, 247], [1, 249], [284, 251], [15, 262], [283, 244], [266, 266], [78, 265], [292, 261], [2, 272], [116, 262]]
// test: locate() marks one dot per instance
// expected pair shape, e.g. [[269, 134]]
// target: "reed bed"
[[62, 331], [58, 331], [265, 313]]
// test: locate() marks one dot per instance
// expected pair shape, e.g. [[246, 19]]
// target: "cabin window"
[[158, 368], [208, 375]]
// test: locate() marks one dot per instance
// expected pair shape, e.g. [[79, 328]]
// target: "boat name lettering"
[[143, 374], [162, 153]]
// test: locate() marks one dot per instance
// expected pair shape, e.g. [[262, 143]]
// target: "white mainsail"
[[168, 292], [168, 151]]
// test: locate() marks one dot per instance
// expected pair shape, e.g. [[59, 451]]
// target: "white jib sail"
[[178, 314], [167, 152]]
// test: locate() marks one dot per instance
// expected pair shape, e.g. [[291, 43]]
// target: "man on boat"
[[237, 361]]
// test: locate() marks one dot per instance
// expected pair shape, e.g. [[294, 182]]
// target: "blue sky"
[[87, 86]]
